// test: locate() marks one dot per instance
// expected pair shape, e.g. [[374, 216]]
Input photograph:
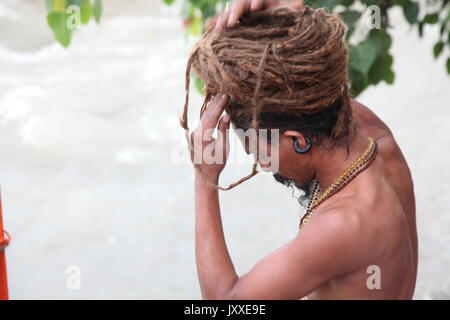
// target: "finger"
[[297, 4], [237, 10], [211, 22], [213, 111], [271, 3], [224, 125], [212, 114], [256, 5], [222, 21]]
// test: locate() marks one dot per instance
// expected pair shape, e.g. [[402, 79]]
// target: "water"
[[87, 138]]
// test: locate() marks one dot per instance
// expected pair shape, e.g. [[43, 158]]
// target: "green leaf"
[[448, 65], [207, 8], [381, 69], [431, 18], [437, 49], [73, 2], [347, 3], [372, 2], [350, 17], [97, 10], [381, 39], [359, 81], [57, 22], [58, 5], [401, 3], [411, 11], [169, 2], [390, 77], [444, 23], [199, 84], [85, 11], [196, 26], [420, 28], [363, 55], [442, 29]]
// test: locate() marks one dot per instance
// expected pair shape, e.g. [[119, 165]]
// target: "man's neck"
[[329, 165]]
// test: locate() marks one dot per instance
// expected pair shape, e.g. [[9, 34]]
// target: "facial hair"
[[307, 190]]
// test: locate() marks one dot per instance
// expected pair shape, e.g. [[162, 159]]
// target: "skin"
[[230, 17], [371, 221]]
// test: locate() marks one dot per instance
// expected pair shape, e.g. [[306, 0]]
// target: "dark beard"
[[303, 199]]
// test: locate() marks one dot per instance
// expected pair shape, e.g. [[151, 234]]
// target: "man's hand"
[[238, 8], [210, 155]]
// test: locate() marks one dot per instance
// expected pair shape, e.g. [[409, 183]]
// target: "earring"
[[301, 150]]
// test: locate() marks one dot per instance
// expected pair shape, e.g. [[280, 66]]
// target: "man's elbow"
[[222, 294], [218, 296]]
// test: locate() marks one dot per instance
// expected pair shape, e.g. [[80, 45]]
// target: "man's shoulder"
[[340, 222], [339, 232], [373, 126], [366, 119], [339, 214], [351, 220], [360, 223]]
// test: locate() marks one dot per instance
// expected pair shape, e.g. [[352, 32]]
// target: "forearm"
[[214, 266]]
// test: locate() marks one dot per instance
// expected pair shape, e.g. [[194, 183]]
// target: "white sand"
[[87, 173]]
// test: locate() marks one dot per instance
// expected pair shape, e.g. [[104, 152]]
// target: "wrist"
[[200, 180]]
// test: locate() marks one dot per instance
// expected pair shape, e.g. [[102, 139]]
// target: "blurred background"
[[90, 166]]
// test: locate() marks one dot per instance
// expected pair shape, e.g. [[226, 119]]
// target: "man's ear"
[[295, 135]]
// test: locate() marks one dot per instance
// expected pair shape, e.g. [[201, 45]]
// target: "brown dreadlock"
[[278, 63]]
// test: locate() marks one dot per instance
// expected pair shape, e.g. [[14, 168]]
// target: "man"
[[363, 224]]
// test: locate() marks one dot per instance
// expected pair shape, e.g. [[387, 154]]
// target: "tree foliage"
[[371, 59], [65, 16]]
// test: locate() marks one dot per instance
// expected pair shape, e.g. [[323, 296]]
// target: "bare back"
[[383, 199]]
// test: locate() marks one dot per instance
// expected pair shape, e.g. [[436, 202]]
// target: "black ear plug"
[[299, 149]]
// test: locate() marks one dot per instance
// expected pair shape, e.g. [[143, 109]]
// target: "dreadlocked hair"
[[281, 68]]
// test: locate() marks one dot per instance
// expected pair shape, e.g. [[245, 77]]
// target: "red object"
[[4, 241]]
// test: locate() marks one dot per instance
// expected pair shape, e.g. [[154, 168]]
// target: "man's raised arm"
[[322, 251]]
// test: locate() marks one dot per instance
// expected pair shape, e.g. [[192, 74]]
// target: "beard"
[[303, 199]]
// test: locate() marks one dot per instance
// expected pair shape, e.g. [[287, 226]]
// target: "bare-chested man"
[[369, 225]]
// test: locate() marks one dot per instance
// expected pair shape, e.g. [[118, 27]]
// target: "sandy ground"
[[89, 169]]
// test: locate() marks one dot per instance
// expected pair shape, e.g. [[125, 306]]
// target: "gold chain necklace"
[[358, 166]]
